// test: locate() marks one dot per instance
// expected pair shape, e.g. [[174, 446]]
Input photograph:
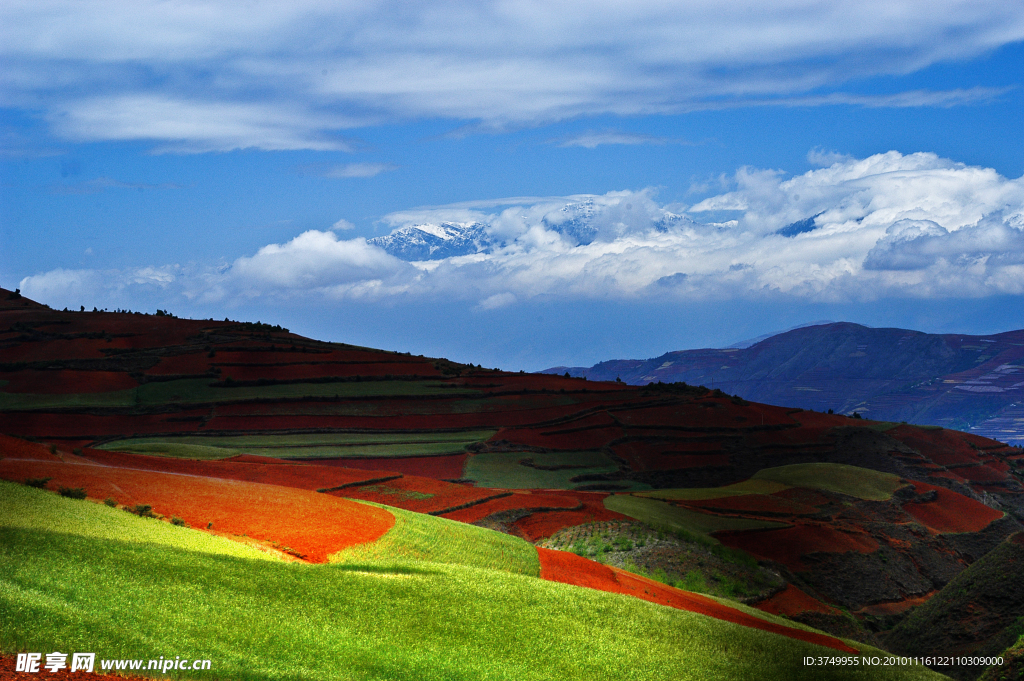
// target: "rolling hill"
[[328, 456], [971, 383]]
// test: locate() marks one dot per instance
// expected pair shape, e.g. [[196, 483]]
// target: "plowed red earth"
[[950, 512], [8, 663], [16, 448], [792, 601], [568, 568], [518, 500], [252, 372], [542, 525], [249, 469], [89, 426], [787, 545], [311, 524], [65, 381], [190, 364], [447, 467], [706, 411]]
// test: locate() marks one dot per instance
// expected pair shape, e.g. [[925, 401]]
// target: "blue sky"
[[221, 161]]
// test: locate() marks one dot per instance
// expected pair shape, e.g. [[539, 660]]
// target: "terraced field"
[[274, 441]]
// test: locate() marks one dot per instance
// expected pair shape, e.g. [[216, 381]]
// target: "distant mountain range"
[[578, 221], [973, 383]]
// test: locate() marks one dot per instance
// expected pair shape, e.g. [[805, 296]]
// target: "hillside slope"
[[958, 381]]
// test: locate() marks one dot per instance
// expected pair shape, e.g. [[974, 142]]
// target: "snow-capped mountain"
[[580, 222], [434, 242]]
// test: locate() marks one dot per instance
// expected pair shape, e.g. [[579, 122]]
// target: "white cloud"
[[342, 226], [359, 170], [891, 225], [592, 140], [215, 75]]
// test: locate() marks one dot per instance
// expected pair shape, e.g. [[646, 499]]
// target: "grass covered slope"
[[660, 514], [30, 509], [426, 538], [263, 620], [854, 481]]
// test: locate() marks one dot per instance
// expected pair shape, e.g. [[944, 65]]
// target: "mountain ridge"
[[967, 382]]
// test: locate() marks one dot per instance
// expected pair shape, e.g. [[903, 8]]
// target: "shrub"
[[37, 482], [53, 449], [175, 520], [143, 511], [77, 451], [109, 501], [72, 492]]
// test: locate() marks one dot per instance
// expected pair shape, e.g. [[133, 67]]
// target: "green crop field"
[[660, 514], [201, 391], [421, 537], [503, 470], [27, 508], [319, 445], [862, 483], [258, 619]]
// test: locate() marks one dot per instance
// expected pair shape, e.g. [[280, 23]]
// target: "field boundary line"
[[359, 483], [475, 502]]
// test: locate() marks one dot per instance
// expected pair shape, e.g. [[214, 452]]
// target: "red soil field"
[[706, 412], [518, 500], [787, 545], [950, 512], [986, 473], [752, 504], [404, 491], [792, 601], [65, 381], [15, 448], [250, 469], [191, 364], [944, 447], [448, 467], [290, 371], [91, 426], [568, 568], [542, 525], [8, 663], [313, 525]]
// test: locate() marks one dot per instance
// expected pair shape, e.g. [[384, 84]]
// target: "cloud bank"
[[891, 225], [216, 75]]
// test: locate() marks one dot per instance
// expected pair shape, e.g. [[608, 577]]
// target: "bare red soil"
[[539, 526], [312, 525], [64, 381], [568, 568], [250, 469], [950, 512], [16, 448], [293, 371], [788, 544], [792, 601]]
